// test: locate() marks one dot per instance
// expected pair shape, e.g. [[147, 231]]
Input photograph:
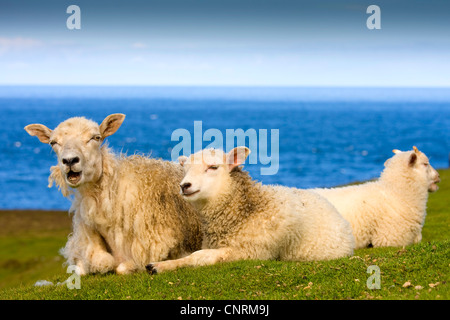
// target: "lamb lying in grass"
[[390, 211], [127, 211], [243, 219]]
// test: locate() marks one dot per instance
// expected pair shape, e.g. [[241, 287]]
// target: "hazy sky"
[[226, 42]]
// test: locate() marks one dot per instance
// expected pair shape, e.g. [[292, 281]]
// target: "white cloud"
[[138, 59], [17, 65], [18, 43], [139, 45]]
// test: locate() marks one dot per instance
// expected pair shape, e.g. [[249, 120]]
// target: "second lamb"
[[243, 219]]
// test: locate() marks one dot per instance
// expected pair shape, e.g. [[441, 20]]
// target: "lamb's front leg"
[[198, 258]]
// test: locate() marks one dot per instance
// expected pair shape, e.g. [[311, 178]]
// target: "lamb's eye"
[[96, 137], [53, 142], [425, 164], [213, 167]]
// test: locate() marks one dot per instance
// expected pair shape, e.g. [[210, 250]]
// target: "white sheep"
[[127, 211], [391, 210], [243, 219]]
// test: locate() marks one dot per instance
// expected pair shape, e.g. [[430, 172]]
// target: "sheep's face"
[[423, 172], [77, 144], [207, 173], [426, 172]]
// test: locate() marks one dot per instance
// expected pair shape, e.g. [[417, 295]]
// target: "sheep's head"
[[416, 165], [77, 143], [207, 172]]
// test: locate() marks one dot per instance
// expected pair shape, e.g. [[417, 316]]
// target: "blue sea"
[[327, 136]]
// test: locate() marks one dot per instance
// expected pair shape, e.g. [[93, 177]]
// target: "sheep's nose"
[[185, 186], [70, 161]]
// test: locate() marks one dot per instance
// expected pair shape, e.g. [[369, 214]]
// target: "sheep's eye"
[[213, 167], [425, 164], [53, 142], [96, 138]]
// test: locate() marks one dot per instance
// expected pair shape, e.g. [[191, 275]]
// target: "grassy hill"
[[29, 244]]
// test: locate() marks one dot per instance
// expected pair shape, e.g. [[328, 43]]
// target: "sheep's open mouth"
[[190, 194], [73, 177]]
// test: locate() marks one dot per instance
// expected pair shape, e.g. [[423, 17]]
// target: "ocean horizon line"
[[254, 93]]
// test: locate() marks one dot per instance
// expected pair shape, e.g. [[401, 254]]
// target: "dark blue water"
[[327, 137]]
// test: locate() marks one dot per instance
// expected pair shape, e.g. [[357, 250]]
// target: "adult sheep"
[[243, 219], [127, 211], [391, 210]]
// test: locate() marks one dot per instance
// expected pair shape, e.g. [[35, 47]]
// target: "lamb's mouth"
[[73, 177], [435, 182], [433, 186], [190, 194]]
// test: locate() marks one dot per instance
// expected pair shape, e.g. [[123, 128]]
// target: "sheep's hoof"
[[151, 269]]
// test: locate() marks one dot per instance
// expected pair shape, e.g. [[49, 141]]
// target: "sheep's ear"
[[182, 160], [396, 151], [416, 150], [237, 156], [412, 159], [111, 124], [39, 130]]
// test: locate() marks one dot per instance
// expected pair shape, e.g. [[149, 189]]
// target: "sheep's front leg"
[[86, 248], [198, 258], [126, 267]]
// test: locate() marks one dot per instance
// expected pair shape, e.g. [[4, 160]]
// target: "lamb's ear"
[[39, 130], [396, 151], [237, 157], [57, 177], [182, 160], [111, 124], [416, 150], [412, 159]]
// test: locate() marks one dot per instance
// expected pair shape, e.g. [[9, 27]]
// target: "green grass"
[[29, 252], [29, 245], [423, 264]]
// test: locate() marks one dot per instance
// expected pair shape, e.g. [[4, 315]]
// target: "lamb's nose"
[[185, 186], [70, 161]]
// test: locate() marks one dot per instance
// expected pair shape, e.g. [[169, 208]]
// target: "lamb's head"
[[77, 144], [416, 166], [207, 173]]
